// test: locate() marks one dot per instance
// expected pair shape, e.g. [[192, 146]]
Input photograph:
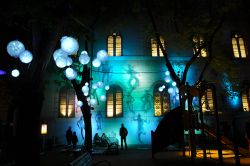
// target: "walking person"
[[69, 135], [123, 134]]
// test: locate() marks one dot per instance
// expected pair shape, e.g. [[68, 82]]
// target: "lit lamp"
[[44, 129]]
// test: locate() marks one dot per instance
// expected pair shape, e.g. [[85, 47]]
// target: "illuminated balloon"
[[69, 45], [15, 48], [103, 98], [26, 56], [15, 73], [79, 103], [102, 55], [96, 63], [84, 58], [61, 62], [107, 87], [70, 73], [59, 53]]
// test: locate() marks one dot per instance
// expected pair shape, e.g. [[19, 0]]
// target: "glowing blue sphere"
[[69, 61], [167, 73], [26, 56], [85, 89], [61, 62], [107, 87], [96, 63], [170, 90], [173, 83], [99, 84], [59, 53], [102, 55], [15, 48], [94, 86], [69, 45], [70, 73], [160, 89], [93, 102], [79, 103], [103, 98], [167, 79], [15, 73], [84, 58]]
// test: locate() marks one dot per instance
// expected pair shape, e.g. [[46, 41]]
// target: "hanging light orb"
[[15, 73], [167, 79], [85, 89], [102, 55], [170, 90], [160, 89], [26, 56], [85, 94], [96, 63], [15, 48], [94, 86], [61, 62], [69, 61], [99, 84], [59, 53], [107, 87], [103, 98], [84, 58], [70, 73], [167, 73], [79, 103], [93, 102], [173, 83], [69, 45], [163, 86]]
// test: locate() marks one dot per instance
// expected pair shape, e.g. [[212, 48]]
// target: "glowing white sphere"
[[79, 103], [177, 97], [86, 83], [69, 45], [84, 58], [99, 84], [88, 98], [15, 73], [163, 86], [85, 89], [70, 73], [93, 102], [96, 63], [103, 98], [69, 61], [61, 62], [167, 79], [94, 86], [85, 94], [102, 55], [170, 90], [59, 53], [160, 89], [173, 83], [167, 73], [107, 87], [26, 56], [15, 48]]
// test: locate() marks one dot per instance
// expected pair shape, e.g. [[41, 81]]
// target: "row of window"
[[161, 101], [114, 46]]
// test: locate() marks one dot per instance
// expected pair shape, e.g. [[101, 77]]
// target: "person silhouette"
[[69, 135], [123, 134], [74, 139]]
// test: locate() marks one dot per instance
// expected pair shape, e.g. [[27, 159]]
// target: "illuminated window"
[[114, 45], [239, 47], [114, 101], [66, 103], [207, 102], [161, 101], [246, 100], [198, 42], [155, 48]]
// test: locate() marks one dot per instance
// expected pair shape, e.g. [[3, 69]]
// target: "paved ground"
[[135, 157]]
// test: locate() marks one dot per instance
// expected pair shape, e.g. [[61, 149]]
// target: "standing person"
[[69, 135], [123, 134], [74, 139]]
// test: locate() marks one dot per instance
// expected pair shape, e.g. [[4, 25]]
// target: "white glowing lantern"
[[163, 86], [94, 86], [70, 73], [96, 63], [99, 84], [107, 87], [26, 56], [86, 84], [167, 73], [88, 98], [69, 45], [103, 98], [85, 94], [69, 61], [15, 48], [170, 90], [102, 55], [61, 62], [160, 89], [59, 53], [79, 103], [15, 73], [173, 83], [84, 58], [93, 102], [85, 89], [167, 79]]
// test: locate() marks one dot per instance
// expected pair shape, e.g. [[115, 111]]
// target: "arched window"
[[161, 100], [66, 103], [155, 48], [239, 47], [198, 42], [114, 101], [245, 97], [207, 100], [114, 42]]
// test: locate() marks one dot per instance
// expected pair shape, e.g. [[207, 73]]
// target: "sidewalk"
[[135, 156]]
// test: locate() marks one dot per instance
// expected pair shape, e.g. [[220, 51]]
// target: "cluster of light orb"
[[172, 90], [63, 59], [16, 49]]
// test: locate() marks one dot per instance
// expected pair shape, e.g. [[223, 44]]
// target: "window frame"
[[198, 40], [245, 91], [209, 101], [113, 89], [115, 50], [159, 53], [69, 94], [237, 37]]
